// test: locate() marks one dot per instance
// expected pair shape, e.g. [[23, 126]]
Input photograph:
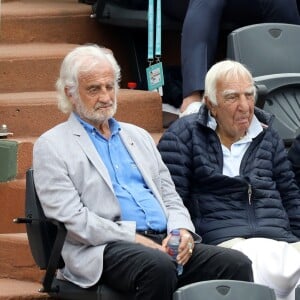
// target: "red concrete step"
[[31, 114], [16, 261], [11, 289], [30, 67], [24, 155], [35, 66], [54, 21], [12, 202]]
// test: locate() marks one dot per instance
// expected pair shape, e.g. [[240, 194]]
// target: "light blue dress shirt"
[[136, 200]]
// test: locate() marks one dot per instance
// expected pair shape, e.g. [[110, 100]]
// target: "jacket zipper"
[[249, 193]]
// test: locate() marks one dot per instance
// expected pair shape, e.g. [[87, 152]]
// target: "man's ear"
[[69, 94], [211, 107]]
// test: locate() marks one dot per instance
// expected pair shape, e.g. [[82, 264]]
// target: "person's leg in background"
[[201, 28], [198, 46], [248, 12], [283, 11], [175, 9]]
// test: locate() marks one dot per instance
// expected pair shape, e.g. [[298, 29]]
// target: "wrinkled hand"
[[186, 246]]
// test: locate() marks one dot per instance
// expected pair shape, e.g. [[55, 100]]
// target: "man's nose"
[[104, 96], [244, 102]]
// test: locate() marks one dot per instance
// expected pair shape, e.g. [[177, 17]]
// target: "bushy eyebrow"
[[229, 92], [249, 90], [99, 85]]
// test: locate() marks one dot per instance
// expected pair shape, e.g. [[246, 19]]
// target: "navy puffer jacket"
[[264, 201], [294, 157]]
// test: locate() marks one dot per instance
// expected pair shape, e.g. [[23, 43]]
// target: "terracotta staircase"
[[34, 37]]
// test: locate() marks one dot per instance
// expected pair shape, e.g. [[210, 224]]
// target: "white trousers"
[[275, 264]]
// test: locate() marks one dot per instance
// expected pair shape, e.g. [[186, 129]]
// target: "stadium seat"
[[271, 52], [224, 290], [297, 293]]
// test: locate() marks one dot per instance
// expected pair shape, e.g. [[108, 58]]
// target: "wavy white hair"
[[221, 71], [82, 59]]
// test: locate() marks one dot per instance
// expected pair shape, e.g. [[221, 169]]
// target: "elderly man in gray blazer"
[[106, 182]]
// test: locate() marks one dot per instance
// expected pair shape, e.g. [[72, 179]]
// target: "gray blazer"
[[74, 187]]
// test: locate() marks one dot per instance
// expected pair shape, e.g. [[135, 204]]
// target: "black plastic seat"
[[283, 100], [271, 52], [46, 238], [297, 293]]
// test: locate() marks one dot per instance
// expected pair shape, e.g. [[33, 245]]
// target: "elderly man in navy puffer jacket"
[[231, 169]]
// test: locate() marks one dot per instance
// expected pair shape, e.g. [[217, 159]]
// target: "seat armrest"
[[261, 93], [297, 296], [55, 256]]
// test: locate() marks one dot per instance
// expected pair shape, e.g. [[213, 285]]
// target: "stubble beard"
[[96, 115]]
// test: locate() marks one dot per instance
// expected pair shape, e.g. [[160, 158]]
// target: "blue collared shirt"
[[136, 200]]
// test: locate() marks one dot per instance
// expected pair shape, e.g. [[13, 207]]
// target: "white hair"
[[82, 59], [221, 71]]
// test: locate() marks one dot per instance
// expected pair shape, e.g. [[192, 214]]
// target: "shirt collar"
[[253, 131], [114, 126]]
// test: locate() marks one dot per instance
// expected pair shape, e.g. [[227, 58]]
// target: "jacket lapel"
[[87, 146], [137, 155]]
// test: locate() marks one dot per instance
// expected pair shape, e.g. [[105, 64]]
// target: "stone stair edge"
[[24, 98], [12, 206], [16, 261], [36, 9], [34, 50], [35, 96], [12, 289]]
